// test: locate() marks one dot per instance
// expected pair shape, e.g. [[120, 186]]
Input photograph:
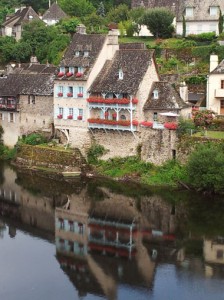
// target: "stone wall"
[[51, 158]]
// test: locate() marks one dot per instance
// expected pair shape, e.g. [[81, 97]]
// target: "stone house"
[[53, 15], [215, 86], [14, 23], [81, 64], [26, 102]]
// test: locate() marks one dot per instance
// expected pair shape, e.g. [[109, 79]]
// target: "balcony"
[[97, 102], [121, 125], [219, 93]]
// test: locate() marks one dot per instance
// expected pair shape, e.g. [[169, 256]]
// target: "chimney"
[[113, 37], [33, 60], [81, 29], [214, 61], [184, 91]]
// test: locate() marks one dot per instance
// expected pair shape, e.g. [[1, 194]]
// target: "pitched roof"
[[200, 10], [133, 63], [219, 69], [20, 16], [54, 13], [25, 84], [172, 5], [168, 98]]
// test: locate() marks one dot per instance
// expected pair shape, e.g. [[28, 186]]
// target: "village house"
[[81, 64], [26, 101], [54, 14], [13, 24], [215, 86]]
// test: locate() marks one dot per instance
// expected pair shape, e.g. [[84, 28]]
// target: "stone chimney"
[[33, 60], [184, 91], [214, 61], [112, 44], [81, 29]]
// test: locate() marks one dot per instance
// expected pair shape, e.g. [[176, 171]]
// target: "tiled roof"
[[29, 68], [54, 13], [83, 42], [133, 46], [35, 84], [219, 69], [168, 98], [200, 9], [133, 63], [172, 5], [20, 16]]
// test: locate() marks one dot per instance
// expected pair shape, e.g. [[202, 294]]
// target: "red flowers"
[[171, 126], [59, 116], [146, 124], [60, 74], [70, 117], [109, 122], [109, 101], [135, 122], [69, 74], [69, 94], [78, 74], [134, 101], [79, 117], [60, 94], [80, 95]]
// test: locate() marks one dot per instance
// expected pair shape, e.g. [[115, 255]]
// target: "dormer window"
[[120, 74], [189, 11], [77, 53], [213, 10], [155, 94], [86, 53]]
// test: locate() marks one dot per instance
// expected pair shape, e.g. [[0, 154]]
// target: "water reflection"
[[116, 240]]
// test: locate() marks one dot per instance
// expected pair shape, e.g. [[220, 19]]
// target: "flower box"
[[146, 124], [109, 100], [135, 122], [69, 94], [60, 94], [171, 126], [78, 74], [134, 101], [59, 116], [69, 74], [70, 117], [79, 117], [80, 95], [60, 74]]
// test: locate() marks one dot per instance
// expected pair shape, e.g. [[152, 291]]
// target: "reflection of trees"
[[2, 178], [2, 229]]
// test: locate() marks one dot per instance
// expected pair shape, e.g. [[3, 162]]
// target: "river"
[[99, 239]]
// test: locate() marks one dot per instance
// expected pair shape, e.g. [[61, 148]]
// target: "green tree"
[[220, 22], [38, 6], [22, 52], [68, 25], [184, 27], [205, 167], [7, 45], [159, 22], [101, 9], [77, 8], [118, 14], [93, 22]]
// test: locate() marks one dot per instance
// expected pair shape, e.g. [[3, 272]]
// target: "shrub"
[[34, 139], [202, 37], [196, 79], [94, 152], [185, 126], [203, 118]]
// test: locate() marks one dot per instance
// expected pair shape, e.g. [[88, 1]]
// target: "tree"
[[40, 5], [101, 10], [94, 23], [205, 167], [184, 27], [69, 25], [203, 118], [77, 8], [118, 14], [159, 22], [220, 22]]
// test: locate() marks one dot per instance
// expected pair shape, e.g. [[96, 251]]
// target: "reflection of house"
[[14, 23], [214, 250], [54, 14], [26, 101], [215, 86]]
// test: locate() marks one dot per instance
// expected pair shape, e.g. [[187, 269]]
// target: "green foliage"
[[56, 49], [101, 10], [221, 36], [202, 37], [184, 27], [130, 27], [7, 45], [199, 79], [185, 126], [68, 25], [220, 22], [7, 153], [94, 23], [94, 153], [205, 167], [34, 139], [135, 14], [77, 8], [118, 14], [159, 22]]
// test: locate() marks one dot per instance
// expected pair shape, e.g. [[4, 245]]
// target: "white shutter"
[[75, 113], [65, 113], [56, 112]]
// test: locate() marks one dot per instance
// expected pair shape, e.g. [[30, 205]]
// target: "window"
[[61, 110], [219, 254], [70, 91], [155, 116], [11, 117], [80, 91], [123, 117], [81, 112], [213, 10], [77, 53], [222, 84], [86, 53], [189, 12], [121, 74], [70, 111], [155, 94], [31, 99], [60, 89], [80, 70], [222, 104]]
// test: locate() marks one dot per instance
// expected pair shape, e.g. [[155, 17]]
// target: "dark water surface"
[[97, 239]]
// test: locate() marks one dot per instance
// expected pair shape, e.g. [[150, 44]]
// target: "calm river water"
[[96, 239]]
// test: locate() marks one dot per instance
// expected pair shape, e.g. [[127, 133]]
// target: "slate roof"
[[20, 16], [54, 13], [172, 5], [219, 69], [201, 10], [168, 98], [134, 64], [26, 84], [29, 68], [83, 42]]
